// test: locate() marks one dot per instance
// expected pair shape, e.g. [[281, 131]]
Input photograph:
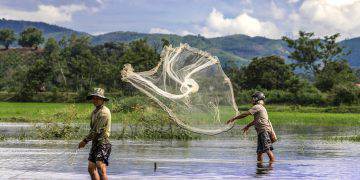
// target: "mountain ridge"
[[238, 48]]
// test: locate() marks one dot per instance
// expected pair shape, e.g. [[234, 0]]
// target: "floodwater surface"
[[301, 153]]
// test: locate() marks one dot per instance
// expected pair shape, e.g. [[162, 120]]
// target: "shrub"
[[345, 94], [306, 96]]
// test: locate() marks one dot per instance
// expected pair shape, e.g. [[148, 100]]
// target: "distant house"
[[357, 84]]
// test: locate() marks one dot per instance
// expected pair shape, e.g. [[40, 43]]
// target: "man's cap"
[[99, 92]]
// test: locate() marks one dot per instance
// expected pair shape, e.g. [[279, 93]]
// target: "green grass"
[[279, 114], [39, 112], [322, 119]]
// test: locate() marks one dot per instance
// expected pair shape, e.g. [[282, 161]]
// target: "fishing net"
[[190, 86]]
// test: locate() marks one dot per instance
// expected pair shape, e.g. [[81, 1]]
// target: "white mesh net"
[[191, 87]]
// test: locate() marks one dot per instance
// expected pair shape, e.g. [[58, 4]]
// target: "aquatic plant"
[[67, 129], [355, 138], [148, 122]]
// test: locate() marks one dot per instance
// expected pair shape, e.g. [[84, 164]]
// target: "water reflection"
[[263, 168], [299, 156]]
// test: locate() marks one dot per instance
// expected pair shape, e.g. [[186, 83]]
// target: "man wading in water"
[[265, 132], [99, 135]]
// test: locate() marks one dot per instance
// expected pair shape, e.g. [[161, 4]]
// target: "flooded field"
[[302, 153]]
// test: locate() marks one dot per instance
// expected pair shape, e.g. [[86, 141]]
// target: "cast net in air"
[[191, 87]]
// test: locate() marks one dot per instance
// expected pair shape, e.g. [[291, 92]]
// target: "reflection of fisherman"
[[99, 135], [265, 132]]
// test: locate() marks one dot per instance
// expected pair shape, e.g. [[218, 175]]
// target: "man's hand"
[[245, 129], [82, 144]]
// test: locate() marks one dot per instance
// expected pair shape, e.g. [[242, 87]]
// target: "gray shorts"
[[264, 142]]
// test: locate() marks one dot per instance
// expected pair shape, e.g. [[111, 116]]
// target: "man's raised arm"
[[240, 116]]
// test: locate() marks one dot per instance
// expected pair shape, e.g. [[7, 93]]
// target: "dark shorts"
[[100, 152], [264, 142]]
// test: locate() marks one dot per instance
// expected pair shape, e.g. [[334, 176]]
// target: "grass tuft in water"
[[147, 122], [355, 138], [67, 129]]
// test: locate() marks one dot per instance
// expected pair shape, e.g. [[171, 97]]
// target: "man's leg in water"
[[259, 157], [271, 156], [93, 171], [102, 168]]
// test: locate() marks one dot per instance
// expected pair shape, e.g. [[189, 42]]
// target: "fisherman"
[[100, 125], [265, 132]]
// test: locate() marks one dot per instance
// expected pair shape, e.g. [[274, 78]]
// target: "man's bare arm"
[[246, 128], [250, 124], [240, 116]]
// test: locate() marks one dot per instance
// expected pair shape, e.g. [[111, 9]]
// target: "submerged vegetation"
[[132, 118], [355, 138], [139, 118], [67, 129]]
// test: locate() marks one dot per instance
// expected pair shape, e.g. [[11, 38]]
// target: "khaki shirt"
[[261, 118], [100, 125]]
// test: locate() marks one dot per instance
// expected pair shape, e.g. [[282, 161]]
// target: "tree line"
[[318, 72]]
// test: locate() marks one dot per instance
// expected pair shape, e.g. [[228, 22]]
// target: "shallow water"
[[301, 153]]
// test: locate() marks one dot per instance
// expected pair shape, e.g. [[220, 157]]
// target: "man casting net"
[[190, 86]]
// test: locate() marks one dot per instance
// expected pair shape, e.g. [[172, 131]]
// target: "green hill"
[[155, 40], [48, 29], [238, 48], [354, 46]]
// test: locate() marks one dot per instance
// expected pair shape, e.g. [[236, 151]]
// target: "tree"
[[7, 37], [110, 55], [31, 37], [306, 50], [82, 65], [165, 42], [357, 73], [235, 73], [312, 53], [53, 60], [267, 72], [141, 55], [35, 80], [334, 73], [51, 48], [331, 50]]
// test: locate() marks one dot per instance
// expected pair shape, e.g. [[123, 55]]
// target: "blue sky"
[[210, 18]]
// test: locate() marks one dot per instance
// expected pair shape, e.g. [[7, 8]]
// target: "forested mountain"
[[48, 30], [237, 48], [354, 46]]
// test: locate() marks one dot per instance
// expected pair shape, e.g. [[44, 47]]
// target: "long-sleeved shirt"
[[100, 125]]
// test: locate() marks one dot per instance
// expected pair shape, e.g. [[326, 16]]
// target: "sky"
[[210, 18]]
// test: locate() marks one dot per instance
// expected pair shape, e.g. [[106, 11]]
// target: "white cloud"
[[101, 2], [341, 2], [332, 16], [276, 12], [294, 16], [44, 13], [160, 31], [292, 1], [166, 31], [186, 32], [96, 33], [218, 25]]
